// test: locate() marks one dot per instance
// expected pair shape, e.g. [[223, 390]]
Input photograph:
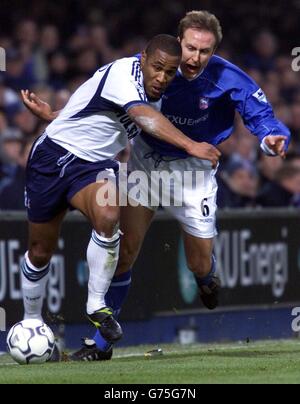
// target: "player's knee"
[[108, 222], [200, 266], [39, 255]]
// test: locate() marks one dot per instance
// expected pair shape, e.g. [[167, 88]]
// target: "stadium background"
[[51, 49]]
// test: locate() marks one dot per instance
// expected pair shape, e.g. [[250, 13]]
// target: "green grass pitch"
[[260, 362]]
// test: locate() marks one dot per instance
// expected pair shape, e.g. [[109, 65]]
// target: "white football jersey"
[[94, 124]]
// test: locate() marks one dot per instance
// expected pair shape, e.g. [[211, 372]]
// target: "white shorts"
[[190, 195]]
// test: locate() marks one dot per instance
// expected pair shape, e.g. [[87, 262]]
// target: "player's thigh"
[[196, 211], [99, 203], [198, 252], [134, 224], [43, 238]]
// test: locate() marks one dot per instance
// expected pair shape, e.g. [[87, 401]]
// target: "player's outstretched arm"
[[155, 124], [38, 107]]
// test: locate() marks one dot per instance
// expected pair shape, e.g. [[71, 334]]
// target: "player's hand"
[[205, 151], [276, 144], [38, 107]]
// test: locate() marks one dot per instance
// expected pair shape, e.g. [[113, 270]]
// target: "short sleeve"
[[124, 84]]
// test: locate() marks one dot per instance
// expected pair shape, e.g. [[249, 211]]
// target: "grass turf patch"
[[262, 362]]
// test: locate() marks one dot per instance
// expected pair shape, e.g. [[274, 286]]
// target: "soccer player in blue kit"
[[81, 142], [201, 102]]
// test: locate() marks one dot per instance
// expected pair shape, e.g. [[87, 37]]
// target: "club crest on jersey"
[[203, 103]]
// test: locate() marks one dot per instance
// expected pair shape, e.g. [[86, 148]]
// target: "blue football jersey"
[[204, 108]]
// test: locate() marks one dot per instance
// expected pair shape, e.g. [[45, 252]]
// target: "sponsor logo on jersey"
[[179, 120], [130, 127], [203, 103]]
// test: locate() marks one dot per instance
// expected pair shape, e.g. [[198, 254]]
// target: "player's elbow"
[[145, 117], [139, 110]]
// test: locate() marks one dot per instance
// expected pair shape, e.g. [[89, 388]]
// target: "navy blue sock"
[[114, 298], [207, 279]]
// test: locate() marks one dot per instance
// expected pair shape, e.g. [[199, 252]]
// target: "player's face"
[[197, 48], [159, 69]]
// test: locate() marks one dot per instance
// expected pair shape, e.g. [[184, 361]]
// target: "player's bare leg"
[[200, 259], [135, 222], [102, 254], [105, 219], [43, 239]]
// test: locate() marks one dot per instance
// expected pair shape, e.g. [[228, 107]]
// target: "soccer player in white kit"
[[81, 142], [201, 101]]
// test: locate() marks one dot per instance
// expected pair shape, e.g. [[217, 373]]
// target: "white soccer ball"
[[30, 341]]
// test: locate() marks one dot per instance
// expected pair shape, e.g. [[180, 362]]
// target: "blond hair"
[[203, 21]]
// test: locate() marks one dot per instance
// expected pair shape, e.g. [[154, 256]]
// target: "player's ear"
[[215, 48], [143, 58]]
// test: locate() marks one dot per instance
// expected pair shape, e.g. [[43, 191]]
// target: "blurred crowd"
[[52, 48]]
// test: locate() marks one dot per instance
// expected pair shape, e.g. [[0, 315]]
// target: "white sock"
[[34, 281], [102, 257]]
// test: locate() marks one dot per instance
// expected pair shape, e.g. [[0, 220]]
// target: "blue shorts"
[[54, 176]]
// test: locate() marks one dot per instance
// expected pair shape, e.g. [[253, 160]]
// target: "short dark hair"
[[203, 21], [166, 43]]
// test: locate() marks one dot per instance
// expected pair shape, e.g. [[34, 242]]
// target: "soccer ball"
[[30, 341]]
